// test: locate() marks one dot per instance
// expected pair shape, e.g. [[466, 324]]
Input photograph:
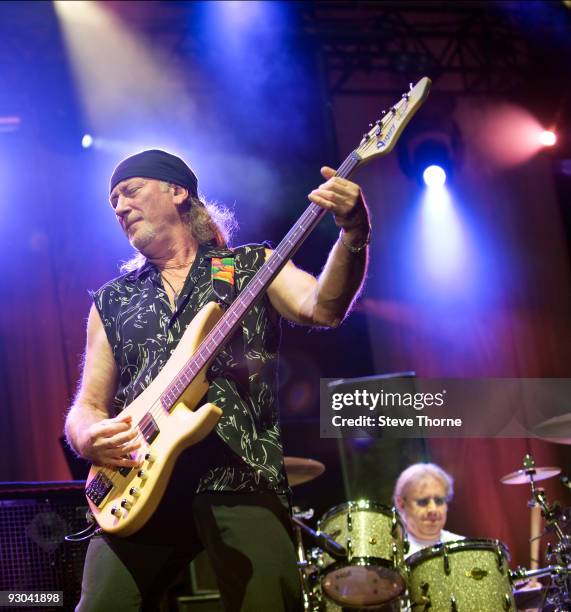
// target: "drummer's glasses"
[[424, 501]]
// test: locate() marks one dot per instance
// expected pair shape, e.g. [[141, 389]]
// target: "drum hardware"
[[502, 561], [303, 514], [446, 560], [395, 554], [302, 563], [349, 548], [477, 573], [300, 470], [424, 599], [533, 598], [521, 575], [530, 474], [394, 523], [557, 594], [322, 540], [307, 568]]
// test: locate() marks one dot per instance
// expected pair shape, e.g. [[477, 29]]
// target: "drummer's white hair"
[[417, 472]]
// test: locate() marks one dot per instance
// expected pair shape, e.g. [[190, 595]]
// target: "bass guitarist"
[[228, 493]]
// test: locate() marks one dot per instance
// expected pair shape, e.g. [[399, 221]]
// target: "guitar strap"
[[222, 275]]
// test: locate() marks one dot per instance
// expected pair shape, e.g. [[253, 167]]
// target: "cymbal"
[[523, 476], [300, 470], [557, 429]]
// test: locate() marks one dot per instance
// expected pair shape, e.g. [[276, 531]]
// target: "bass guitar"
[[166, 412]]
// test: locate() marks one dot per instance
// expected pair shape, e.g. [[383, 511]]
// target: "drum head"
[[362, 585]]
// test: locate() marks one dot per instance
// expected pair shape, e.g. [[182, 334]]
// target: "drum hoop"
[[359, 506], [454, 546]]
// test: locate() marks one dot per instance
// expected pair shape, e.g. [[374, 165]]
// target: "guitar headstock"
[[385, 132]]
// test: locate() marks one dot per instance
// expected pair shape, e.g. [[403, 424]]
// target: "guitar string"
[[157, 411]]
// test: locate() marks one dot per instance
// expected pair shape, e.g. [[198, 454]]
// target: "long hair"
[[208, 223]]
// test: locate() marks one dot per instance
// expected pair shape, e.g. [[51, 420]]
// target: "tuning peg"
[[405, 96], [383, 112], [378, 122], [410, 86], [393, 110], [370, 125], [366, 135]]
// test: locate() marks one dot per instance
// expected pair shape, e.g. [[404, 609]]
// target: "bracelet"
[[354, 249]]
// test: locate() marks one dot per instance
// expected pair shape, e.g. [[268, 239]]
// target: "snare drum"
[[374, 571], [462, 576]]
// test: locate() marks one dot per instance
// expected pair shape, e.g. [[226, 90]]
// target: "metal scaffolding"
[[468, 48]]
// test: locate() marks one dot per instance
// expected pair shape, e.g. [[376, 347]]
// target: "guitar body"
[[122, 500]]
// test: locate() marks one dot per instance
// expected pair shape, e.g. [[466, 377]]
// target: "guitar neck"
[[251, 293]]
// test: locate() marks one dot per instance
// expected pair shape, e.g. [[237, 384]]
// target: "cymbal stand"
[[559, 593], [307, 571]]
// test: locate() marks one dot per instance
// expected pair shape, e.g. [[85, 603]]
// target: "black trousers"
[[247, 537]]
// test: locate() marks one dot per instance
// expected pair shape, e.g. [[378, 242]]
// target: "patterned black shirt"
[[143, 332]]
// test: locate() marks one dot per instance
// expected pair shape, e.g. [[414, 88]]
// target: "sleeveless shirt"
[[143, 331]]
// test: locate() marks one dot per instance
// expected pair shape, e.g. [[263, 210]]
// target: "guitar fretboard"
[[226, 326]]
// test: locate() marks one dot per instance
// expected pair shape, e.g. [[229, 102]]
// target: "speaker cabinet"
[[34, 520]]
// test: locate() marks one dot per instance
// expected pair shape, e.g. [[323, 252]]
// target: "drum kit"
[[358, 559]]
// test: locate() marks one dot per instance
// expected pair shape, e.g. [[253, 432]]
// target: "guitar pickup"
[[98, 489], [149, 428]]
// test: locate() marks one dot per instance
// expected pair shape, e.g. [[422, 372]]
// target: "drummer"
[[422, 493]]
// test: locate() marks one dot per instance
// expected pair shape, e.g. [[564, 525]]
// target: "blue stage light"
[[87, 141], [434, 176]]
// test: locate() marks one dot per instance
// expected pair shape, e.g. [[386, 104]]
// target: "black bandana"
[[158, 165]]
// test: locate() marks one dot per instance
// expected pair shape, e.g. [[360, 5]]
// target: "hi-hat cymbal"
[[557, 429], [524, 476], [300, 470]]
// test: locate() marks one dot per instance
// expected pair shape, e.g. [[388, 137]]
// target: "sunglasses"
[[424, 501]]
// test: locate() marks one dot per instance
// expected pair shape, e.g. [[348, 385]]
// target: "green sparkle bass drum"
[[461, 576]]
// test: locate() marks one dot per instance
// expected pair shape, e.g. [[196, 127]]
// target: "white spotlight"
[[87, 141], [434, 176], [547, 138]]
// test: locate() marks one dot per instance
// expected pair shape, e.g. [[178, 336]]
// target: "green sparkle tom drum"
[[374, 571], [461, 576]]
